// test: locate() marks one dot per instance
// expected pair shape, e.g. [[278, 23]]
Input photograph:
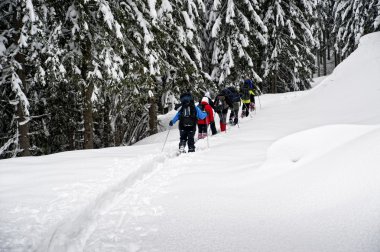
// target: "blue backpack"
[[249, 84]]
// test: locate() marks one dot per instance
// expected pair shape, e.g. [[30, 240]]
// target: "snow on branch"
[[188, 21]]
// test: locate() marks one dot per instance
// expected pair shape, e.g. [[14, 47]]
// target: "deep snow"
[[301, 175]]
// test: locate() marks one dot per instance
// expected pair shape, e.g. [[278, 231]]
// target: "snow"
[[301, 174], [30, 8], [216, 28], [188, 21], [2, 46]]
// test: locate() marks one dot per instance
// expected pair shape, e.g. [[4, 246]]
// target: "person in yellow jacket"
[[247, 95]]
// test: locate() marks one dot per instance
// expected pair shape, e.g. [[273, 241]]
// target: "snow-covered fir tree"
[[90, 74], [180, 34], [322, 29], [352, 20], [22, 74], [290, 61], [236, 34], [93, 42]]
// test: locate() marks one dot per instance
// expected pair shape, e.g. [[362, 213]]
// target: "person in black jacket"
[[188, 116], [221, 104]]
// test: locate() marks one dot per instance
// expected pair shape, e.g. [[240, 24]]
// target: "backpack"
[[245, 91], [232, 94], [221, 103], [188, 116], [249, 83], [186, 99], [201, 107]]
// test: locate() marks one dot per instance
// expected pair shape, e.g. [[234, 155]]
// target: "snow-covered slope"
[[301, 175]]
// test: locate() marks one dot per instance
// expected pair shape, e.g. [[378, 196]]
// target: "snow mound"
[[300, 148]]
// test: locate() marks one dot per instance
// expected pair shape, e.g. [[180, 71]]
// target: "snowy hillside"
[[301, 175]]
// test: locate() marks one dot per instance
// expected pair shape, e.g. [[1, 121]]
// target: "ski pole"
[[167, 135], [208, 143], [259, 101]]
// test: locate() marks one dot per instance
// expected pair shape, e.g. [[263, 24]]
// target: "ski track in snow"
[[72, 233]]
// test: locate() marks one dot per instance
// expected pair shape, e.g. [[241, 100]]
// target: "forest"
[[84, 74]]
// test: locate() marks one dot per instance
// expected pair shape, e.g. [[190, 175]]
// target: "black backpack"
[[221, 103], [188, 116], [232, 94], [245, 91]]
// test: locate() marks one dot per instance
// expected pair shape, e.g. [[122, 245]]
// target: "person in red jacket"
[[203, 124]]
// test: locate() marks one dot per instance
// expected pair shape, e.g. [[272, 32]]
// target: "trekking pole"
[[208, 143], [258, 89], [259, 101], [167, 135]]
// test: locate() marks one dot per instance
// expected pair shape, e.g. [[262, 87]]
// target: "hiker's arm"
[[200, 114], [175, 118]]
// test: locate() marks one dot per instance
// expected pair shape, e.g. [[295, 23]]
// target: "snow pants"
[[187, 136], [245, 109], [234, 115], [202, 131], [213, 128], [223, 120]]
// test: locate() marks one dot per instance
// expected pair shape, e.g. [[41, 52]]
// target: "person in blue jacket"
[[188, 116]]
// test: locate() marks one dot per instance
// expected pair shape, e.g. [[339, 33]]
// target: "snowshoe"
[[252, 106], [181, 150]]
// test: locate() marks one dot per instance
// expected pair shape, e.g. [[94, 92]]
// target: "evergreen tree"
[[93, 42], [352, 20], [289, 60], [236, 34], [322, 29], [180, 29], [21, 43]]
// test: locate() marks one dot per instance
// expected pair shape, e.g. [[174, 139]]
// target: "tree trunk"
[[274, 83], [328, 46], [88, 117], [152, 116], [87, 94], [324, 51], [23, 128], [319, 62]]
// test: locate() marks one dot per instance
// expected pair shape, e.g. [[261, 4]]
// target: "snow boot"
[[252, 106], [181, 149], [200, 136]]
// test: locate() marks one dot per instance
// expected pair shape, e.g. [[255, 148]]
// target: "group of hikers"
[[229, 98]]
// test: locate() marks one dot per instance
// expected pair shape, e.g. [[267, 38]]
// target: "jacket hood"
[[204, 100]]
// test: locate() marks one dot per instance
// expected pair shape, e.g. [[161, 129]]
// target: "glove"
[[170, 123]]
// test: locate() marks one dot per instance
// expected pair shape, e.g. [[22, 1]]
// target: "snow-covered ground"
[[302, 174]]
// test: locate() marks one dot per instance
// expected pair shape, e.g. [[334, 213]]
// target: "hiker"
[[203, 123], [210, 103], [234, 103], [209, 100], [221, 108], [187, 116], [247, 97]]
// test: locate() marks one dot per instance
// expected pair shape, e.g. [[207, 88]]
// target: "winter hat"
[[205, 99]]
